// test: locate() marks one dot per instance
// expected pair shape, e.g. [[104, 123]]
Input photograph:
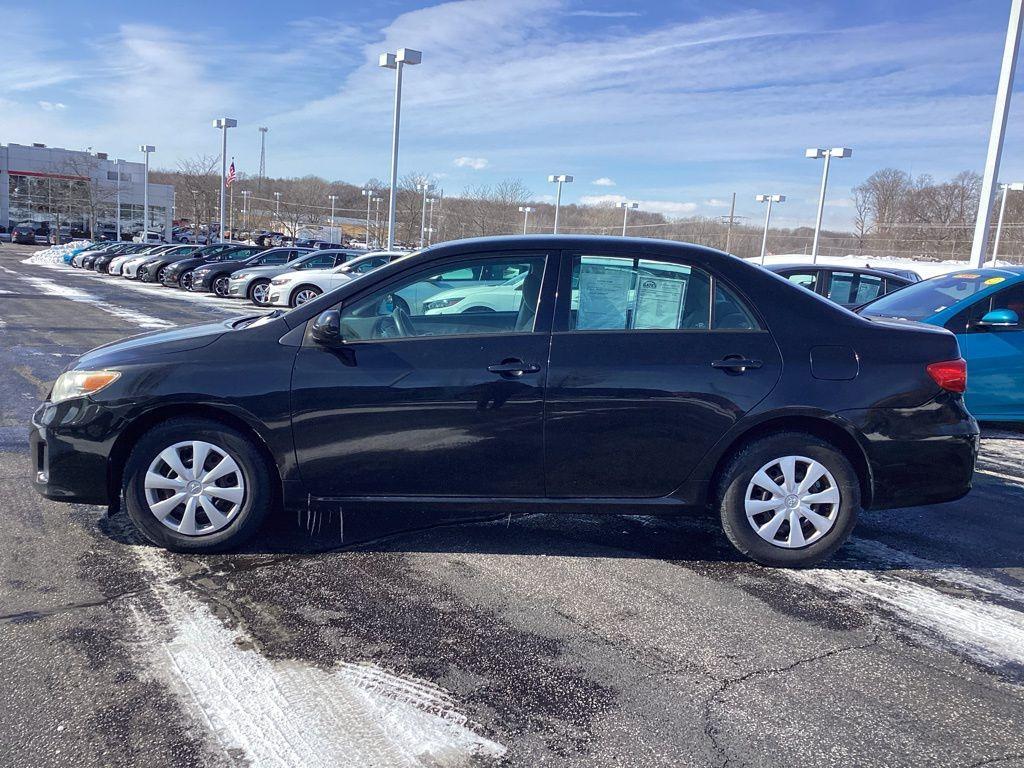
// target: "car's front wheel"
[[161, 274], [259, 293], [788, 500], [195, 485], [185, 281], [220, 287], [303, 294]]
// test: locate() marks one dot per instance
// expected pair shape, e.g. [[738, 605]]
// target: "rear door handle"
[[513, 367], [736, 364]]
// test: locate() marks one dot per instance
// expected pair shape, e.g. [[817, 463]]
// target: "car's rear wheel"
[[220, 287], [259, 293], [195, 485], [788, 500], [303, 294]]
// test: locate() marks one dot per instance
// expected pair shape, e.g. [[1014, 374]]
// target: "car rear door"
[[447, 405], [646, 373]]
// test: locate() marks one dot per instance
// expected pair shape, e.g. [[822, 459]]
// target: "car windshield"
[[921, 301]]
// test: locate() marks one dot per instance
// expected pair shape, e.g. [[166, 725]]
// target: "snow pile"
[[55, 253], [925, 269]]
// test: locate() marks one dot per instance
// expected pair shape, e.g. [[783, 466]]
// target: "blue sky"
[[674, 104]]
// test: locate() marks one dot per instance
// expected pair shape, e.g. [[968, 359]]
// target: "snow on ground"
[[925, 269]]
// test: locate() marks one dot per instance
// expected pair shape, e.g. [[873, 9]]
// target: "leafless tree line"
[[894, 214]]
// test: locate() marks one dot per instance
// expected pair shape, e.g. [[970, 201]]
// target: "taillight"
[[951, 375]]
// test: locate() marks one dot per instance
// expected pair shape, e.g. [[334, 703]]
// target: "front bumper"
[[202, 284], [278, 296], [171, 278], [69, 446], [239, 289], [923, 455]]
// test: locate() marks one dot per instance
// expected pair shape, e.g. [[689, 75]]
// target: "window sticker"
[[659, 302], [603, 296], [994, 280], [967, 276]]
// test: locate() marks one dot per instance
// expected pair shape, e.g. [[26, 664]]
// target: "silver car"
[[253, 283]]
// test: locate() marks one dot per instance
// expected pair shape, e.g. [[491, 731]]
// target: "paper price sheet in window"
[[612, 297]]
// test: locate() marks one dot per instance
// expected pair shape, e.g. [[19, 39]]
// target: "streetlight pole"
[[817, 153], [526, 210], [767, 218], [145, 149], [559, 179], [625, 213], [277, 204], [1016, 187], [117, 167], [223, 123], [245, 207], [368, 194], [333, 198], [396, 61], [376, 218], [430, 221], [423, 187], [995, 140]]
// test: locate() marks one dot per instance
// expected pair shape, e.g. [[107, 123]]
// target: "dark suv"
[[606, 375]]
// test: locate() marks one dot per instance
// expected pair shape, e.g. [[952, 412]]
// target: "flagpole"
[[231, 200]]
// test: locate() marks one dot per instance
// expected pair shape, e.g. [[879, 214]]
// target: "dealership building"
[[80, 190]]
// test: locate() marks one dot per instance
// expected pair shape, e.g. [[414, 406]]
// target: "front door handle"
[[513, 367], [736, 364]]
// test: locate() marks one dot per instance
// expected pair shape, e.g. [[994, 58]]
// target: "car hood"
[[312, 274], [270, 269], [189, 264], [147, 345]]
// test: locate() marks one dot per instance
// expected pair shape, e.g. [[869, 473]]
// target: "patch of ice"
[[74, 294]]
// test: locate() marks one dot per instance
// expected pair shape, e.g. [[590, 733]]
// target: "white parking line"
[[73, 294], [289, 713]]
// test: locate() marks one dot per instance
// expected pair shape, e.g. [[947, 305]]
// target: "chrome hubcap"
[[194, 488], [792, 501], [303, 296], [220, 286], [260, 293]]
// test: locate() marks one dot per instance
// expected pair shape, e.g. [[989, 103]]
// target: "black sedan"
[[24, 234], [179, 274], [153, 271], [89, 261], [214, 277], [611, 375], [848, 286]]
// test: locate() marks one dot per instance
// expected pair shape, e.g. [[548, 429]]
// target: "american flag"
[[231, 174]]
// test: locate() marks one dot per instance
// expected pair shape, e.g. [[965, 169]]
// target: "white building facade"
[[47, 187]]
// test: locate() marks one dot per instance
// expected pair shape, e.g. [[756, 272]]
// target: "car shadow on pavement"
[[953, 535]]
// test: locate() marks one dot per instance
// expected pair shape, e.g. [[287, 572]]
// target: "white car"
[[148, 237], [504, 297], [294, 288], [130, 266]]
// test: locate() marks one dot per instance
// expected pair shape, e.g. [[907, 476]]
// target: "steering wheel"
[[403, 323]]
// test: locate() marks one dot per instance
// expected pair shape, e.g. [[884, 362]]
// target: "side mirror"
[[1000, 318], [327, 328]]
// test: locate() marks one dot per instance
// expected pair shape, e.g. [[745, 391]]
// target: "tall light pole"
[[1016, 187], [396, 61], [376, 218], [277, 205], [625, 213], [145, 149], [767, 218], [526, 210], [223, 123], [245, 207], [423, 187], [559, 179], [430, 220], [117, 170], [333, 198], [368, 194], [817, 153], [995, 139]]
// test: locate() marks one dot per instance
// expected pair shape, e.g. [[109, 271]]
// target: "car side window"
[[730, 313], [474, 297], [320, 262], [808, 280], [851, 288], [274, 259], [968, 320], [622, 293]]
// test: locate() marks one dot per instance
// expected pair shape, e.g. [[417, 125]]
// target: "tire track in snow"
[[990, 633], [74, 294], [287, 713]]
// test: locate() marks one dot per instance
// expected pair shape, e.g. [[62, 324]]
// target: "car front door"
[[995, 357], [646, 373], [417, 405]]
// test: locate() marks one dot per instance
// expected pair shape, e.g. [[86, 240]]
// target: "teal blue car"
[[984, 308]]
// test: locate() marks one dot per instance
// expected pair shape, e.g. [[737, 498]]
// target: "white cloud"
[[664, 207], [604, 181], [51, 106], [476, 163], [715, 202], [605, 14]]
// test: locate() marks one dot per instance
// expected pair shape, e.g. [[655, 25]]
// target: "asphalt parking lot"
[[523, 641]]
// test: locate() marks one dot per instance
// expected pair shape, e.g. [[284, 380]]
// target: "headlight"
[[81, 383], [442, 303], [241, 276], [279, 281], [201, 273]]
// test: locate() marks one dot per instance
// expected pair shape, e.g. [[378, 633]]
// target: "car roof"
[[875, 271]]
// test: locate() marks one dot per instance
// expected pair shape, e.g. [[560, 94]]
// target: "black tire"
[[161, 273], [185, 281], [220, 286], [252, 292], [730, 496], [292, 301], [256, 471]]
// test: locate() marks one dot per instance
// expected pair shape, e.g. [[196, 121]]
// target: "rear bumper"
[[918, 456]]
